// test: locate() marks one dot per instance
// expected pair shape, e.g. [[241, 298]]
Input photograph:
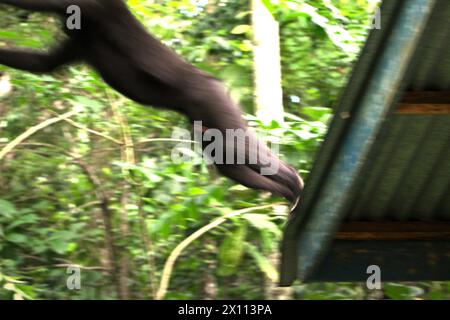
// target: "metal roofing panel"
[[407, 173], [377, 165]]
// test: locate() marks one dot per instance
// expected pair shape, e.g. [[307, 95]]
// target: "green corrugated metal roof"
[[406, 175], [376, 164]]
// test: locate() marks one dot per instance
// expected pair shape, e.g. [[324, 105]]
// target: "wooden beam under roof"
[[425, 103]]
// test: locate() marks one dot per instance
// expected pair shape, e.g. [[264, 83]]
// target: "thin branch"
[[170, 262], [107, 219], [94, 132], [31, 131], [88, 204], [56, 147], [66, 265], [127, 156], [166, 140], [48, 145], [148, 245]]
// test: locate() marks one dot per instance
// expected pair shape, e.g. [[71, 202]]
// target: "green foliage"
[[231, 251], [320, 41], [51, 205], [264, 265]]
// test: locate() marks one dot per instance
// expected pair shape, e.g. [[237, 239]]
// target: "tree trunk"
[[267, 64]]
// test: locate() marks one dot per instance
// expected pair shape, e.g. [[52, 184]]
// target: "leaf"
[[17, 296], [238, 187], [264, 265], [60, 241], [25, 219], [196, 191], [59, 246], [162, 226], [231, 251], [7, 209], [316, 113], [268, 4], [241, 29], [399, 291], [84, 101], [293, 117], [16, 238], [262, 222], [5, 86], [304, 134], [9, 286]]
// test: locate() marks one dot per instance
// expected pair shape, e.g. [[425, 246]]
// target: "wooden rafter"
[[425, 103]]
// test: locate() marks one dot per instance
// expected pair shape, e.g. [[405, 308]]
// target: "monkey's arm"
[[39, 61], [58, 6]]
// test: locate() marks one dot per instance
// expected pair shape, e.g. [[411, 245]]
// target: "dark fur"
[[139, 66]]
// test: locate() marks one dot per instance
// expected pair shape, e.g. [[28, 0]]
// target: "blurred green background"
[[72, 194]]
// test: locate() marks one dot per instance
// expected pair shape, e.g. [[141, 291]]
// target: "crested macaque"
[[133, 62]]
